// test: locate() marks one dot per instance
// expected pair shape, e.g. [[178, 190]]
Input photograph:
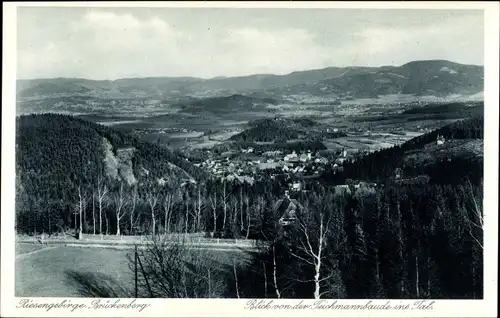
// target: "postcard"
[[250, 159]]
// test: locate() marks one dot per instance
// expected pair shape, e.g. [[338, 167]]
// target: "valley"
[[104, 163], [207, 133]]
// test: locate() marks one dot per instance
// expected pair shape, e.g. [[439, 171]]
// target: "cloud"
[[459, 40], [109, 44]]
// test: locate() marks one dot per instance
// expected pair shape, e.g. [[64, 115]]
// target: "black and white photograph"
[[249, 153]]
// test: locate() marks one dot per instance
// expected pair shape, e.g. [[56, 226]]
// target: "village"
[[248, 165]]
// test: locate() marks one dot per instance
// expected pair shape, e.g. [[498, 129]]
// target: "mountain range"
[[430, 77]]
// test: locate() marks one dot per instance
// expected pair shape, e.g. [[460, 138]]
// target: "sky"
[[112, 43]]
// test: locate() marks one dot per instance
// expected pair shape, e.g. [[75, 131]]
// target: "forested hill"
[[55, 154], [459, 158]]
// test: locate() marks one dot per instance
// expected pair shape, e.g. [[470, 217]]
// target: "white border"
[[231, 308]]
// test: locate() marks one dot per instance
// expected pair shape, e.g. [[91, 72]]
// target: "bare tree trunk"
[[100, 217], [235, 213], [187, 216], [133, 203], [93, 210], [224, 201], [401, 245], [417, 288], [152, 199], [80, 212], [275, 278], [107, 224], [193, 225], [214, 211], [131, 221], [428, 278], [167, 207], [265, 279], [198, 214], [314, 258], [473, 282], [241, 210], [236, 280], [120, 203], [102, 191], [153, 219], [317, 294], [209, 287], [247, 202]]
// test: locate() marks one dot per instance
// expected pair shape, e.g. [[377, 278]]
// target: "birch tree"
[[93, 210], [224, 205], [102, 199], [168, 203], [80, 208], [199, 209], [313, 230], [152, 199], [120, 203], [187, 186], [134, 198], [213, 205], [248, 216], [476, 219], [241, 209]]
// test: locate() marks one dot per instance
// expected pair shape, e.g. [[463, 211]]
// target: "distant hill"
[[266, 131], [434, 77], [277, 130], [57, 153], [456, 108], [225, 104]]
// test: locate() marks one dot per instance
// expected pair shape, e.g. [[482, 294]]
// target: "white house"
[[291, 156], [440, 140]]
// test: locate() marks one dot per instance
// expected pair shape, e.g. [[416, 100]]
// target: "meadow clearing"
[[62, 270]]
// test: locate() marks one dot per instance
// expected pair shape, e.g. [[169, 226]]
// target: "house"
[[398, 173], [273, 153], [339, 161], [292, 156], [296, 186], [342, 189], [288, 209], [305, 157], [440, 140], [321, 160]]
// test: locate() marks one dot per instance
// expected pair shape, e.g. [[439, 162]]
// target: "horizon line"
[[238, 76]]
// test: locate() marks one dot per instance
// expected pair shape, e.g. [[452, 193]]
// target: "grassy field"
[[27, 248], [73, 272], [62, 271]]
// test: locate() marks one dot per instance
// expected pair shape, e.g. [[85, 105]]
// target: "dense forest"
[[409, 241], [387, 241], [57, 156]]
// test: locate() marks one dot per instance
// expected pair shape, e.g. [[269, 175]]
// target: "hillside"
[[57, 153], [455, 108], [435, 77], [462, 152], [419, 77], [268, 130], [281, 129], [225, 104]]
